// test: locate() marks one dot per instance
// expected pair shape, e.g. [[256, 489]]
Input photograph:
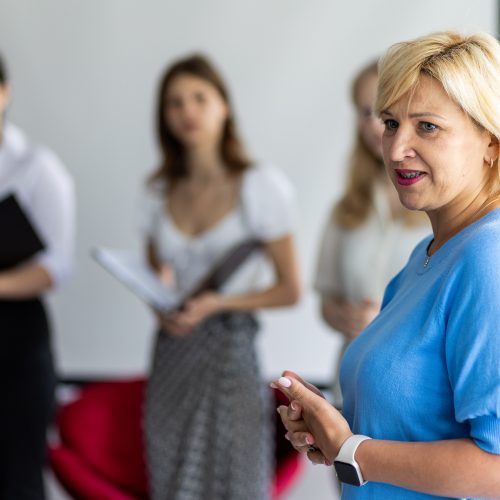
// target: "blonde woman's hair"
[[468, 68], [365, 171]]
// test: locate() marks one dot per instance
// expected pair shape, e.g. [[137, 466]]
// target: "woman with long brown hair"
[[369, 235], [206, 198]]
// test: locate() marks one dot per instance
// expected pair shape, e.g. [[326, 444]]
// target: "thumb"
[[296, 390], [293, 375]]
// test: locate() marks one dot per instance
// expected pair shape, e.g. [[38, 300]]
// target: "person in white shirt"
[[205, 199], [40, 185], [369, 235]]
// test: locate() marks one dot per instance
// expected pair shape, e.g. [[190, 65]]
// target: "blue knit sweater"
[[428, 367]]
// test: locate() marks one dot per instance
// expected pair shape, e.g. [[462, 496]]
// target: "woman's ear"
[[4, 98], [493, 149]]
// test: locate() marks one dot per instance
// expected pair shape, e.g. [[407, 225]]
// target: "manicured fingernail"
[[278, 410], [293, 406], [273, 385], [287, 436], [285, 382], [309, 440]]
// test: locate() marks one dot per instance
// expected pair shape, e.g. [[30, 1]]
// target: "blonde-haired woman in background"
[[421, 384], [369, 235]]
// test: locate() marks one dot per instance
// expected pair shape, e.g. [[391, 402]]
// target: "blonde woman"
[[370, 235], [421, 384]]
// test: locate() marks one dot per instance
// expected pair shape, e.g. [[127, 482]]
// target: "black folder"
[[19, 240]]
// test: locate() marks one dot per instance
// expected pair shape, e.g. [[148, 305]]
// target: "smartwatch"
[[346, 467]]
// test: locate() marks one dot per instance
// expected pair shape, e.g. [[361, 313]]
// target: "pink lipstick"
[[408, 177]]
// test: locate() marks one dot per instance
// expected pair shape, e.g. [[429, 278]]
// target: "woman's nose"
[[187, 109], [398, 146]]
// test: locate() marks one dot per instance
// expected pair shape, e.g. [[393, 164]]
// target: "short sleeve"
[[269, 203], [326, 281], [53, 211], [473, 344], [150, 204]]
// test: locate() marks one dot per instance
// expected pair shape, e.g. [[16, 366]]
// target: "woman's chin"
[[199, 140], [411, 203]]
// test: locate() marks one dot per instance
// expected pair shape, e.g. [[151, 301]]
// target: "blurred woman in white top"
[[34, 177], [369, 235]]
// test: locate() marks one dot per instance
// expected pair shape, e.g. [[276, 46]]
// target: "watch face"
[[347, 473]]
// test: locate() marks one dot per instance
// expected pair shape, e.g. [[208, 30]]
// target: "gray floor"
[[316, 483]]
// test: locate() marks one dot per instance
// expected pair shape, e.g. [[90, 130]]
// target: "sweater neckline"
[[430, 261]]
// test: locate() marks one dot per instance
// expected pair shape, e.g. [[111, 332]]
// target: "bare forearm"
[[349, 318], [456, 468], [287, 289], [335, 315], [25, 282], [277, 296], [329, 316]]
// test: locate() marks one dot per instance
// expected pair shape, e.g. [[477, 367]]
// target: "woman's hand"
[[195, 310], [312, 421], [193, 313], [349, 318], [171, 325], [298, 433]]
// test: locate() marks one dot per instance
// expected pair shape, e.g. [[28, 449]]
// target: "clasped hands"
[[350, 318], [313, 425], [195, 310]]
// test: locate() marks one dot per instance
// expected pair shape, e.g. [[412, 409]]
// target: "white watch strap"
[[348, 449]]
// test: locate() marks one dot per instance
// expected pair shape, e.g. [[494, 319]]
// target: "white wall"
[[84, 77]]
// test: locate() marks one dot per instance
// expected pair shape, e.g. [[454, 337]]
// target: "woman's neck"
[[446, 223], [204, 165]]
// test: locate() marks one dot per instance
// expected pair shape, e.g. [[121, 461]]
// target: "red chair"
[[101, 451]]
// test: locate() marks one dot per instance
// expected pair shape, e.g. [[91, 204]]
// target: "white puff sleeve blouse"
[[269, 199], [266, 211]]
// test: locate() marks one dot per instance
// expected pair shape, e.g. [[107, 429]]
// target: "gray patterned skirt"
[[207, 415]]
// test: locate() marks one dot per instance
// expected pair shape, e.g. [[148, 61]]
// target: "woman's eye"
[[173, 103], [390, 124], [365, 112], [427, 126], [200, 98]]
